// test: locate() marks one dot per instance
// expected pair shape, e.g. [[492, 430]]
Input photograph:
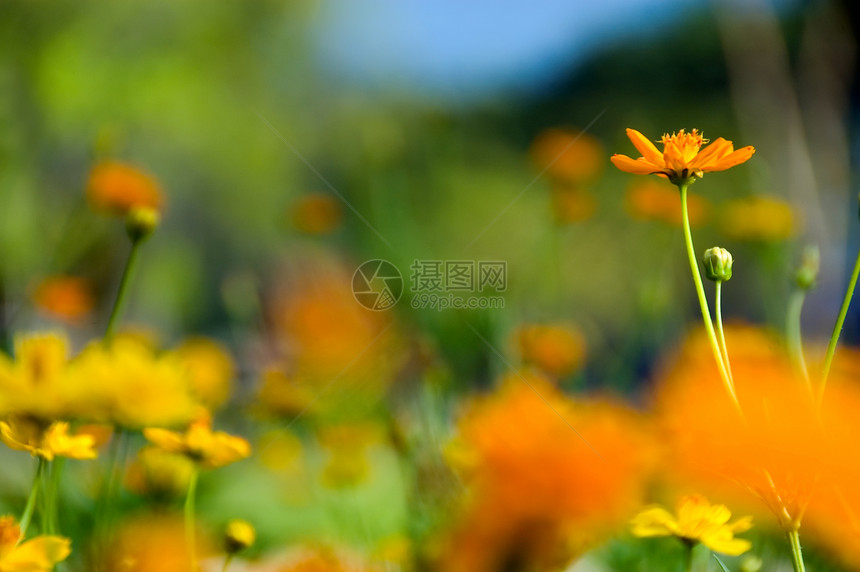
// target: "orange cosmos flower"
[[116, 188], [781, 447], [570, 156], [67, 298], [681, 162], [547, 477], [657, 201], [557, 350]]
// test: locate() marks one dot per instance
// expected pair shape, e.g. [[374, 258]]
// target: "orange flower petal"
[[637, 167], [716, 150], [732, 159], [645, 146]]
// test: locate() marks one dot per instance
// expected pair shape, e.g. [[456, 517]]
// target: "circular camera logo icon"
[[377, 285]]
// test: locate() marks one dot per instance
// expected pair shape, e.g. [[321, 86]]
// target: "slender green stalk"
[[703, 301], [837, 329], [721, 335], [122, 293], [793, 331], [688, 562], [796, 552], [31, 499], [227, 560], [189, 519]]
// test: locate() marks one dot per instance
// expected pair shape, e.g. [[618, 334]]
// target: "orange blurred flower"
[[116, 188], [557, 350], [781, 447], [39, 554], [68, 298], [759, 218], [570, 156], [547, 477], [570, 204], [151, 543], [681, 162], [316, 213], [653, 200]]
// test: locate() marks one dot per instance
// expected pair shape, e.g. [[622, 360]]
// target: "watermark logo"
[[435, 284], [377, 285]]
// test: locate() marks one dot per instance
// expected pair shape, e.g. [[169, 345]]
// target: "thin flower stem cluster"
[[682, 162]]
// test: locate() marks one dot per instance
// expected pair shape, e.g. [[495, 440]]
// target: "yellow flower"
[[697, 521], [681, 162], [39, 554], [238, 535], [36, 384], [127, 384], [200, 444], [759, 219], [210, 369], [27, 434], [159, 473]]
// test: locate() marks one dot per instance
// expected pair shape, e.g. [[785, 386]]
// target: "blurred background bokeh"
[[293, 140]]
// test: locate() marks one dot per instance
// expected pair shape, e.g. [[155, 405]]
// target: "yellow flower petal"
[[654, 521], [645, 146], [37, 555]]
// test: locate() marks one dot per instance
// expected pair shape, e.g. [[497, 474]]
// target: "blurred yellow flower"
[[159, 473], [238, 535], [116, 188], [200, 444], [210, 369], [281, 395], [127, 384], [54, 440], [37, 382], [655, 200], [67, 298], [697, 521], [151, 543], [681, 162], [568, 156], [347, 444], [759, 218], [557, 350], [38, 554], [316, 213]]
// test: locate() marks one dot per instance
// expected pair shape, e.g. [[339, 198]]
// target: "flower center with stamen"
[[685, 142]]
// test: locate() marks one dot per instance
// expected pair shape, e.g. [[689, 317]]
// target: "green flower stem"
[[837, 329], [793, 331], [796, 552], [122, 293], [189, 519], [688, 557], [31, 499], [720, 333], [227, 560], [703, 301]]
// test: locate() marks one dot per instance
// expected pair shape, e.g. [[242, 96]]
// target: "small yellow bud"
[[718, 264], [140, 222], [807, 273], [751, 563], [238, 535]]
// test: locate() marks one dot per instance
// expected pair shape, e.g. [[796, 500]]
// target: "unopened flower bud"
[[718, 264], [807, 273], [140, 222], [238, 535], [751, 563]]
